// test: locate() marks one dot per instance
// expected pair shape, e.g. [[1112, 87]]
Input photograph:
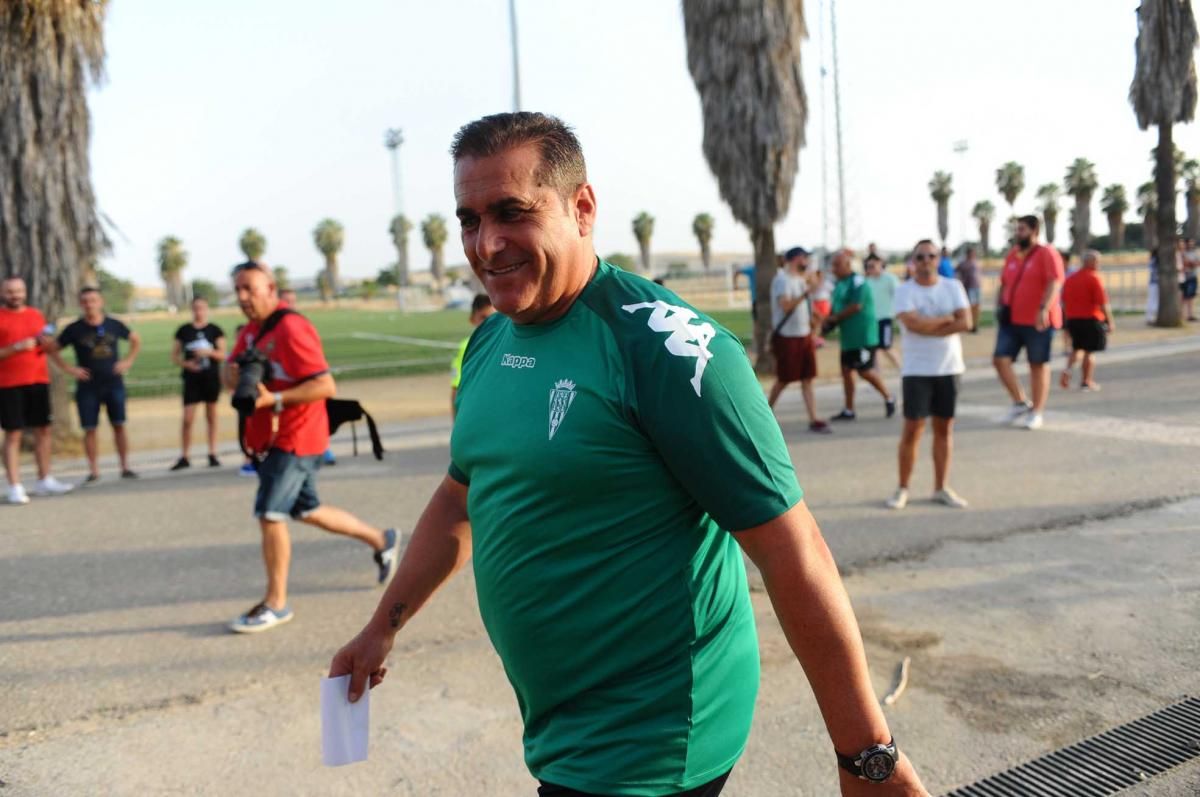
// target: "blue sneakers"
[[389, 557], [261, 617]]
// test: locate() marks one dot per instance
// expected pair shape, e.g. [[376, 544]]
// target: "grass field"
[[359, 343]]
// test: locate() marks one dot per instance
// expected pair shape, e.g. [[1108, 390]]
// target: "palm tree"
[[50, 233], [1081, 182], [940, 190], [1048, 194], [983, 212], [744, 57], [1147, 196], [433, 231], [702, 228], [1189, 170], [324, 286], [1114, 204], [282, 279], [400, 228], [329, 235], [253, 244], [1163, 92], [172, 260], [1010, 182], [643, 230]]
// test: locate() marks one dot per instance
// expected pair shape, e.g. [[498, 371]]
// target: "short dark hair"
[[480, 301], [86, 289], [872, 259], [922, 242], [1030, 221], [562, 166]]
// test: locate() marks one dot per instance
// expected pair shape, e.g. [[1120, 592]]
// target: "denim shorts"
[[287, 486], [1011, 338], [90, 395]]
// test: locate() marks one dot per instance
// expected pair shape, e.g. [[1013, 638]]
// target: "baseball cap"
[[795, 251]]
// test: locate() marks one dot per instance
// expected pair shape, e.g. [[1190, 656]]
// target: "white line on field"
[[437, 344]]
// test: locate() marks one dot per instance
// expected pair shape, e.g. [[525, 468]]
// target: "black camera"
[[253, 369]]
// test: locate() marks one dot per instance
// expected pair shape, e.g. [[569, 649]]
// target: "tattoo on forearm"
[[395, 614]]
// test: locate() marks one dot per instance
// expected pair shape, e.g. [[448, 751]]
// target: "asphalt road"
[[1064, 601]]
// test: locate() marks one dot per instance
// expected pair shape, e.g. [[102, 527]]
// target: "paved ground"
[[1065, 601]]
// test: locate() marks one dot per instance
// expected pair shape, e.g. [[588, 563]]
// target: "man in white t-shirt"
[[933, 310], [791, 336]]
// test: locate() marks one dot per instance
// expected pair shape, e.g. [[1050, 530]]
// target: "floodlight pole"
[[837, 113], [392, 139], [516, 59], [960, 148]]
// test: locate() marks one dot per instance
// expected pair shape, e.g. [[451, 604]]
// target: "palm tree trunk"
[[1192, 229], [706, 256], [943, 219], [1116, 231], [438, 267], [1150, 231], [1169, 299], [645, 254], [1049, 216], [331, 272], [402, 266], [984, 230], [1083, 223], [764, 271]]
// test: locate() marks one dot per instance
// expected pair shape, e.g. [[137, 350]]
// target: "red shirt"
[[1035, 271], [25, 367], [294, 349], [1084, 296]]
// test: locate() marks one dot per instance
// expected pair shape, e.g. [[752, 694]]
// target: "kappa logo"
[[517, 361], [686, 339], [562, 396]]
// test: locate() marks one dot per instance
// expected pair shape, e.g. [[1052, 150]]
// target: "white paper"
[[344, 725]]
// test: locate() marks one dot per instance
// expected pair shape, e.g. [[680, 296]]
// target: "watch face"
[[878, 766]]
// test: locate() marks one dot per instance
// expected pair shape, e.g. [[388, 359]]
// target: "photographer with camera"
[[280, 381]]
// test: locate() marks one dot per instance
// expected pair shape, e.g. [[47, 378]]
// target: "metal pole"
[[837, 113], [392, 139], [516, 60], [824, 127], [960, 147]]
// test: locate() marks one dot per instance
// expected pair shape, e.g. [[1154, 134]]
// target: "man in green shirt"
[[854, 314], [612, 459]]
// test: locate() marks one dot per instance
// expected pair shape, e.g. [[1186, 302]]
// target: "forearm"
[[55, 357], [1050, 295], [135, 346], [1109, 318], [309, 391], [814, 611], [439, 547]]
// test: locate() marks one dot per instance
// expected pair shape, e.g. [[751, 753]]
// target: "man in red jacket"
[[24, 391], [1027, 313], [288, 431]]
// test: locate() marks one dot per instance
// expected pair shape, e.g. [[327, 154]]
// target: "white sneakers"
[[16, 494], [51, 486], [1016, 412], [46, 486], [1032, 421], [944, 496]]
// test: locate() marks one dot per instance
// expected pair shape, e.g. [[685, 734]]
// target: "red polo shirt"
[[25, 367], [1084, 296], [294, 349], [1030, 275]]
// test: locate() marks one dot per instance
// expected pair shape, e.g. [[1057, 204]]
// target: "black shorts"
[[25, 406], [1087, 334], [929, 395], [885, 334], [858, 359], [201, 388]]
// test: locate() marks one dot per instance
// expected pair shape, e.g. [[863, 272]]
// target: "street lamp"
[[392, 139], [516, 61], [960, 148]]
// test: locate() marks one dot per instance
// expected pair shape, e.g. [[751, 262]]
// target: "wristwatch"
[[876, 763], [278, 403]]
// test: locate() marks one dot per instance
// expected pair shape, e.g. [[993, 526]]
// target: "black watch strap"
[[876, 763]]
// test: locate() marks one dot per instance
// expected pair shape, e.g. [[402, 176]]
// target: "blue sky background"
[[220, 115]]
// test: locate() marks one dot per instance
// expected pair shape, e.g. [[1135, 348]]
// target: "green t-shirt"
[[859, 331], [456, 363], [608, 453], [883, 291]]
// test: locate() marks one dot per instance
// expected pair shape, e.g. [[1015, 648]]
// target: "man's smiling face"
[[525, 242]]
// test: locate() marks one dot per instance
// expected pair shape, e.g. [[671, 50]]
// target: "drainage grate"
[[1104, 764]]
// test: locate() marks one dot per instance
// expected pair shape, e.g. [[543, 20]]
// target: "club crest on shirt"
[[686, 339], [562, 396]]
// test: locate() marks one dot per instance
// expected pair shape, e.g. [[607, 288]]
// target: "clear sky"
[[225, 114]]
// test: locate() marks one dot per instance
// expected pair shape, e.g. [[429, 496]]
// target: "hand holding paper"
[[344, 725]]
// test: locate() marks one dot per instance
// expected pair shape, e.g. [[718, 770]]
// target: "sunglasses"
[[925, 257]]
